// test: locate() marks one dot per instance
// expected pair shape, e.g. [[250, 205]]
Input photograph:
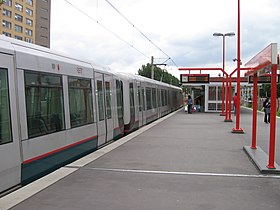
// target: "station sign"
[[264, 79], [194, 78]]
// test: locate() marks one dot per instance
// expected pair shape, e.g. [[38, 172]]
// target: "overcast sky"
[[182, 29]]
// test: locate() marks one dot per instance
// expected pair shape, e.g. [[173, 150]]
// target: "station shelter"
[[207, 96]]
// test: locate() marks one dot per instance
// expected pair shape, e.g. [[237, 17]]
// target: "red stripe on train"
[[58, 150]]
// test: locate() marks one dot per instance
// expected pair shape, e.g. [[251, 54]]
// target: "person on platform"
[[234, 103], [266, 107], [190, 103]]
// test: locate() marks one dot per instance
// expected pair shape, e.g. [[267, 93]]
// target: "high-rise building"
[[27, 20]]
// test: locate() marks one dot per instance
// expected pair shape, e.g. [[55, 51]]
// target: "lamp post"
[[223, 80]]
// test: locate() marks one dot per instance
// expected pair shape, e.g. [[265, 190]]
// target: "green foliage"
[[278, 113], [159, 74], [265, 90]]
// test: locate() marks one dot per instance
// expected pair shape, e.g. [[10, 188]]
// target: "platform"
[[183, 161]]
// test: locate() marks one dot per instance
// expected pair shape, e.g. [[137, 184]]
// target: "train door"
[[10, 158], [158, 102], [100, 115], [108, 80]]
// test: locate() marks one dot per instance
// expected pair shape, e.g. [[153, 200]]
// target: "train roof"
[[19, 48], [129, 76]]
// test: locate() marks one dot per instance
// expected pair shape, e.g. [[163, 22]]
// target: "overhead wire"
[[112, 32], [169, 58], [106, 28]]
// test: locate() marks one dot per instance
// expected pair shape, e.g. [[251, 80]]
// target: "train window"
[[5, 120], [131, 97], [158, 98], [143, 101], [100, 100], [139, 99], [149, 98], [119, 87], [162, 98], [108, 100], [44, 103], [80, 101], [154, 98]]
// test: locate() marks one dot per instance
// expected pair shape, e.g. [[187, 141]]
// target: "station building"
[[207, 94]]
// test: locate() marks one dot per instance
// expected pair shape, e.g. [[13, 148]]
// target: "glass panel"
[[100, 100], [119, 99], [5, 120], [212, 93], [220, 93], [143, 96], [212, 106], [108, 100], [139, 99], [44, 103], [80, 101], [149, 98], [131, 98], [154, 103]]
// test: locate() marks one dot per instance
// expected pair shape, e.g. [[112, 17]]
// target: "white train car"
[[146, 100], [54, 109]]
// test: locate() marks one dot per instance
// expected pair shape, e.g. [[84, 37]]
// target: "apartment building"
[[27, 20]]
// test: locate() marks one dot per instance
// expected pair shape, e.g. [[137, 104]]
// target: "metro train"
[[56, 109]]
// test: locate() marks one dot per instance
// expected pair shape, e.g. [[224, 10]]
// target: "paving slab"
[[187, 161]]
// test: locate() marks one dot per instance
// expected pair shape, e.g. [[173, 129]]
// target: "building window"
[[29, 22], [44, 103], [44, 37], [6, 24], [29, 12], [18, 17], [28, 40], [7, 34], [30, 2], [18, 37], [18, 28], [44, 9], [80, 101], [28, 32], [44, 28], [7, 13], [8, 2], [18, 7]]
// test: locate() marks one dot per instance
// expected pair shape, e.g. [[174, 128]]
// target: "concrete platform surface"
[[185, 161]]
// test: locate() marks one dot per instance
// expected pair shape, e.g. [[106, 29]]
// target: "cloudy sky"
[[181, 29]]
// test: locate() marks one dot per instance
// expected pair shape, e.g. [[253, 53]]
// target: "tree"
[[159, 74], [265, 90]]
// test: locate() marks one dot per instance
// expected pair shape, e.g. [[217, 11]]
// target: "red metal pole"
[[255, 108], [230, 99], [272, 117], [237, 128], [223, 80]]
